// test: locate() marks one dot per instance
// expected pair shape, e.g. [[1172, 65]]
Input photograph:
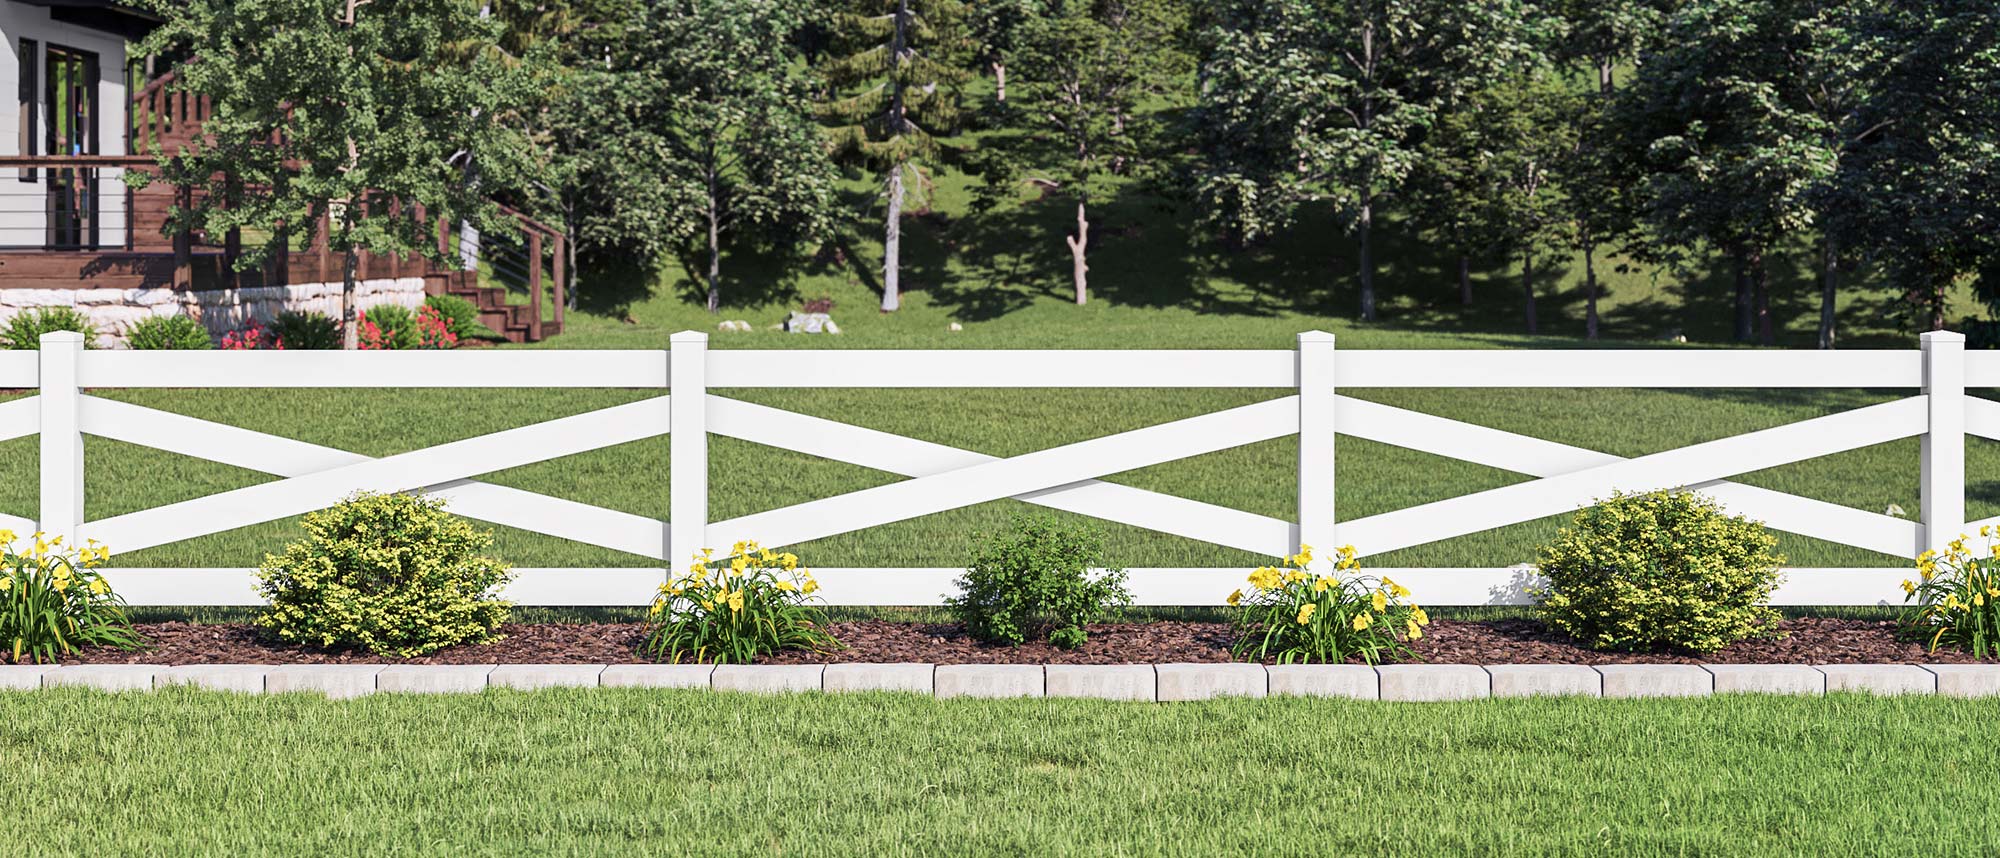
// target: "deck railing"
[[1311, 406]]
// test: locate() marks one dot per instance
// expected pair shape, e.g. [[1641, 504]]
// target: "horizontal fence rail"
[[940, 477]]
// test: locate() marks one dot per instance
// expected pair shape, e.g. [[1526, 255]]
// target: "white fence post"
[[1316, 439], [1943, 483], [687, 446], [62, 439]]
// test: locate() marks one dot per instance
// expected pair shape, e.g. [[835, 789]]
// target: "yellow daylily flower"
[[736, 601], [809, 587], [1236, 598], [6, 583], [1909, 588], [1363, 620], [98, 587], [1379, 601], [787, 586], [1415, 631], [1306, 612]]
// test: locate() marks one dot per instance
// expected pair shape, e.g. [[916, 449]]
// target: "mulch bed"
[[1810, 640]]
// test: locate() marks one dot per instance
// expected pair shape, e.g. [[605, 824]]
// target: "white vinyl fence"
[[943, 477]]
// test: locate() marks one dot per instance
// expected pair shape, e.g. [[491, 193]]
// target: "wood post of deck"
[[562, 278], [280, 257], [322, 243], [534, 284], [184, 241]]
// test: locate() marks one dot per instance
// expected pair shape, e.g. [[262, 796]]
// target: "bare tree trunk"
[[1761, 277], [1590, 292], [999, 81], [1528, 287], [714, 251], [1828, 284], [1937, 304], [1367, 266], [1077, 243], [1465, 279], [892, 244], [1741, 266], [350, 328]]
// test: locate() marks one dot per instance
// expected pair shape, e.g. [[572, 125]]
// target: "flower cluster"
[[252, 336], [1294, 615], [53, 601], [397, 329], [1956, 600], [753, 602]]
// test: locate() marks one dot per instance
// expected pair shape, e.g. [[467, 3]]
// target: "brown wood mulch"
[[1810, 640]]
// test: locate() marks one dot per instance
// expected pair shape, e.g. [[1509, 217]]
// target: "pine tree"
[[896, 70]]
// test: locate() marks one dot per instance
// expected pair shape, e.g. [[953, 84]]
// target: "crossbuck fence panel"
[[941, 477]]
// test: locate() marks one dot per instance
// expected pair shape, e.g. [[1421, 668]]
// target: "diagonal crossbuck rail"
[[1308, 402]]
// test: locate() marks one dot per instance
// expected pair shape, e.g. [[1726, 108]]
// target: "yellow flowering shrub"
[[53, 602], [732, 610], [1290, 615], [1955, 601], [395, 575], [1660, 569]]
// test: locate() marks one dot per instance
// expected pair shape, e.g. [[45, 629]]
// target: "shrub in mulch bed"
[[1808, 640]]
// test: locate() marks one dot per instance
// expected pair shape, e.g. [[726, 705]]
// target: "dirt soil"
[[1809, 640]]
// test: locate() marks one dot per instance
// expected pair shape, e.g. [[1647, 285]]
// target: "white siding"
[[21, 203]]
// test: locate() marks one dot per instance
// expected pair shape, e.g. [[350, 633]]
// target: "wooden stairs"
[[517, 323]]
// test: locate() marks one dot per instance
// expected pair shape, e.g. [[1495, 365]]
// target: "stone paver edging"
[[1140, 682]]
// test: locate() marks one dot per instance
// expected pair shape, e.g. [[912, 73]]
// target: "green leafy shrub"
[[461, 317], [1034, 581], [168, 332], [25, 329], [1956, 601], [53, 602], [305, 331], [752, 603], [1662, 569], [392, 574], [1294, 616]]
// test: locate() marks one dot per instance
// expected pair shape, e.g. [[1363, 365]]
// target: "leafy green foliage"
[[1036, 581], [1664, 569], [1956, 600], [308, 330], [168, 332], [388, 327], [368, 103], [461, 317], [24, 331], [390, 574], [1294, 616], [730, 611], [1309, 100], [53, 602], [706, 134]]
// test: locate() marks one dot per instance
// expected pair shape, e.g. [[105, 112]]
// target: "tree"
[[897, 73], [997, 27], [1304, 101], [1733, 148], [1086, 66], [330, 109], [701, 132], [1924, 189]]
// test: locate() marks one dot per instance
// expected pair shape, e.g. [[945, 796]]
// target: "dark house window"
[[29, 85]]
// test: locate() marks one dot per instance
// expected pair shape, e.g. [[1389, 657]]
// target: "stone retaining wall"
[[1143, 682], [115, 311]]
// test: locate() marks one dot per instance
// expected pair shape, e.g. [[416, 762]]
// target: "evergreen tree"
[[895, 70]]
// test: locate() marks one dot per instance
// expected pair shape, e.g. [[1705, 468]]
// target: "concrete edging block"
[[433, 678], [1966, 680], [657, 676], [1355, 681], [1656, 680], [990, 680], [900, 676], [529, 677], [1767, 679], [1102, 681], [1879, 678], [338, 681], [1183, 682], [22, 677], [242, 678], [1544, 680], [1434, 682], [104, 677], [768, 678]]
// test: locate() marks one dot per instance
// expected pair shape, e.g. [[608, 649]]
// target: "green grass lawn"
[[616, 772]]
